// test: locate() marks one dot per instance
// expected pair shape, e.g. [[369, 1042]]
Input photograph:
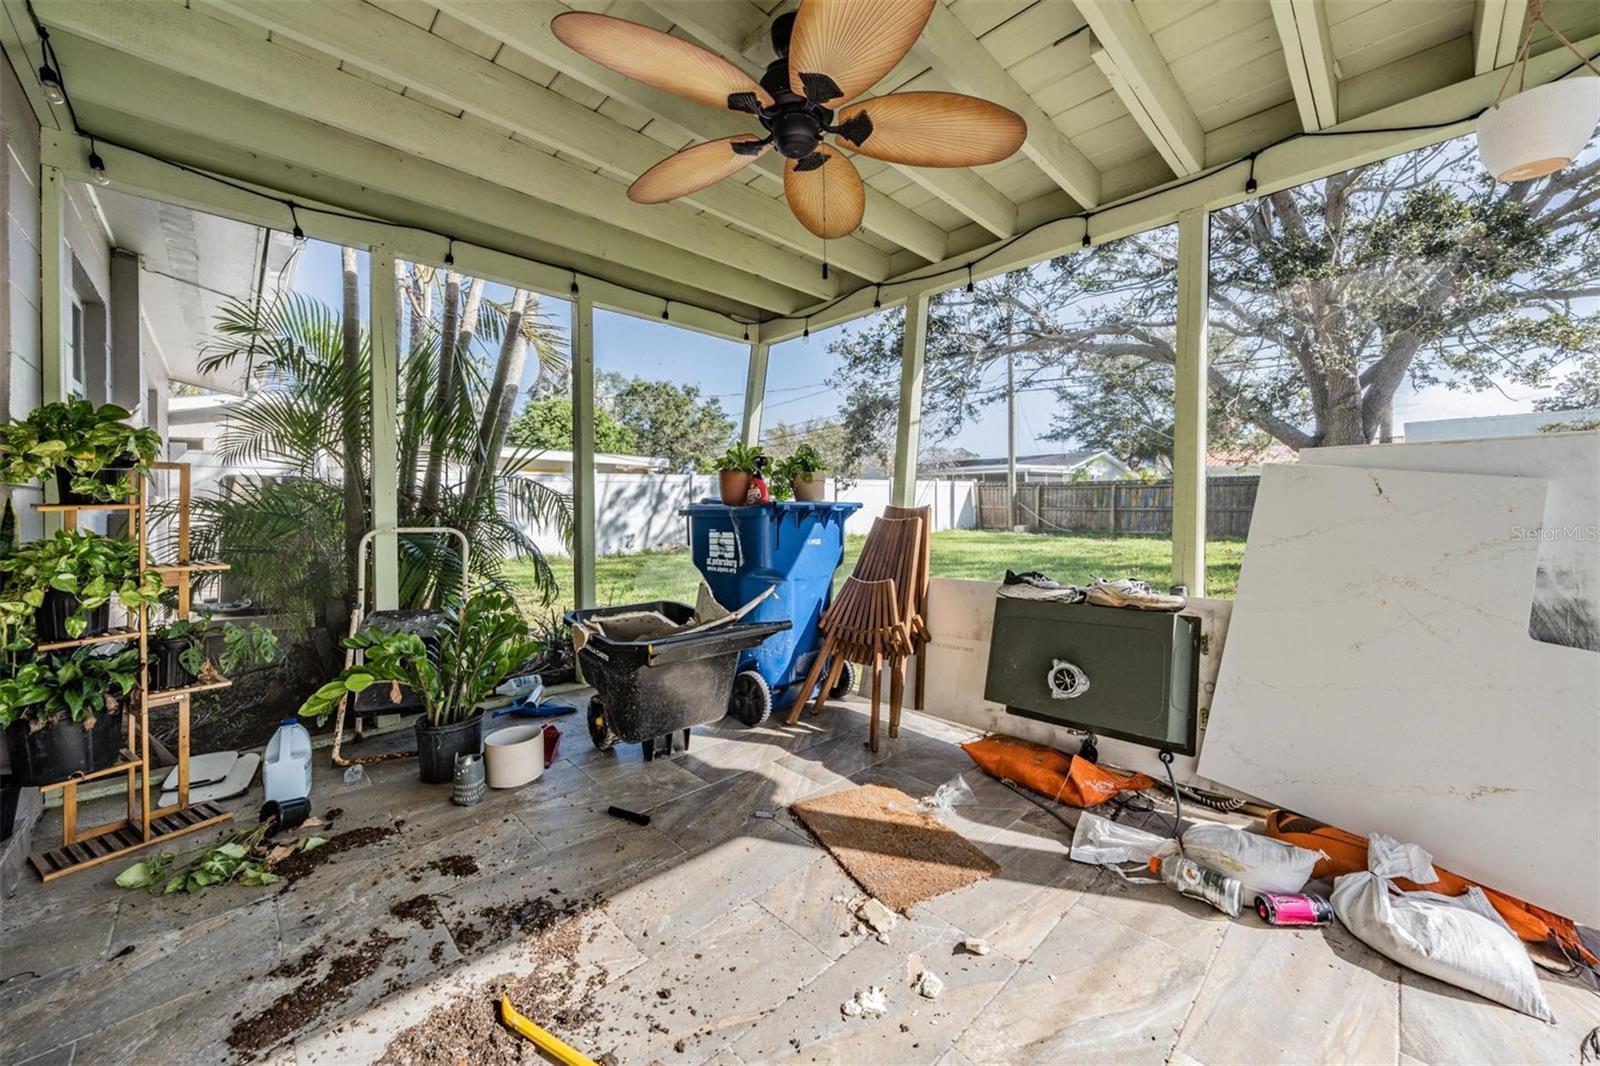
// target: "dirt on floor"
[[313, 997]]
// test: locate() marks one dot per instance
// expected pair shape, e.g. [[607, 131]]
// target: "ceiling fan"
[[829, 52]]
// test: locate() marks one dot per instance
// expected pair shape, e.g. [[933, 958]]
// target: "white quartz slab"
[[1379, 675], [1566, 596]]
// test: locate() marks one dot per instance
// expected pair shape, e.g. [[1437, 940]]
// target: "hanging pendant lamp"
[[1540, 130]]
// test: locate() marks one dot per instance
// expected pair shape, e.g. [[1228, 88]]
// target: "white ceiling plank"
[[725, 27], [525, 27], [1496, 32], [442, 196], [359, 33], [963, 59], [1308, 53], [1136, 69], [213, 52]]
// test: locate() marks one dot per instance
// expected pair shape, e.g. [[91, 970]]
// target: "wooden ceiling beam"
[[1127, 55], [223, 55], [524, 25], [176, 117], [1308, 53], [1496, 33], [374, 40]]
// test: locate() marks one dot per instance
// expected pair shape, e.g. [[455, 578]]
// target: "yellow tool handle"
[[547, 1042]]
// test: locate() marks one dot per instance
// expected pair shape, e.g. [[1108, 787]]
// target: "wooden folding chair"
[[920, 634], [869, 621]]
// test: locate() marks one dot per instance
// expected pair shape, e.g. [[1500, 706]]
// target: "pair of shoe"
[[1122, 592]]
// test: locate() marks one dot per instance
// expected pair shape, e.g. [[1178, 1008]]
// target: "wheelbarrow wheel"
[[599, 731], [846, 683], [751, 701]]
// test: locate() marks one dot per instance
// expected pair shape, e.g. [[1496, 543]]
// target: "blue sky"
[[798, 369]]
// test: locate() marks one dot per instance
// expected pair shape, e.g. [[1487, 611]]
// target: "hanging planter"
[[1540, 130]]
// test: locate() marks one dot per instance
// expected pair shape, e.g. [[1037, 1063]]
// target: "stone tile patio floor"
[[736, 918]]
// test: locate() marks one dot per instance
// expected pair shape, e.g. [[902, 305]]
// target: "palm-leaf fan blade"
[[825, 193], [839, 48], [694, 168], [932, 129], [655, 58]]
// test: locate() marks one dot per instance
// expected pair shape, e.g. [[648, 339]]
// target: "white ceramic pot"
[[1538, 132], [514, 755]]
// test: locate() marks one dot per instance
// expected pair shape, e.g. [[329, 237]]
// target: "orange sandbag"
[[1050, 772], [1345, 853]]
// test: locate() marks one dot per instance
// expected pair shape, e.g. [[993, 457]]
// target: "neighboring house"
[[1223, 462], [1046, 468], [1519, 425]]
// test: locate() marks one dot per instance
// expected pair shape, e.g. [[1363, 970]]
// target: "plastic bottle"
[[1191, 879], [286, 770]]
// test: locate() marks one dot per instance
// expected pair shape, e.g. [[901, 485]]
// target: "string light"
[[970, 287], [574, 287], [97, 166], [450, 253], [1086, 241], [666, 311], [50, 82], [299, 234], [877, 297], [806, 332], [1250, 185]]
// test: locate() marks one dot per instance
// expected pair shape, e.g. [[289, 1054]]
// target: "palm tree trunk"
[[355, 497], [502, 397], [442, 393], [469, 320], [419, 294]]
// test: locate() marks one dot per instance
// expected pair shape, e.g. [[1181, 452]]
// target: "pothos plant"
[[90, 567], [744, 458], [81, 439], [805, 461], [484, 640], [241, 856], [192, 635], [77, 686]]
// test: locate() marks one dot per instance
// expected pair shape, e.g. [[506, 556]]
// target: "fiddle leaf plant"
[[484, 640], [83, 440], [90, 567]]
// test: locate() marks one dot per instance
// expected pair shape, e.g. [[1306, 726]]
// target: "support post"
[[755, 391], [909, 429], [1190, 395], [384, 341], [52, 288], [583, 485]]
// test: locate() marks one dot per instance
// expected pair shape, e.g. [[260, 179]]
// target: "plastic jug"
[[286, 770]]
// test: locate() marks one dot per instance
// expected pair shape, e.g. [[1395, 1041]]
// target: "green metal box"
[[1113, 671]]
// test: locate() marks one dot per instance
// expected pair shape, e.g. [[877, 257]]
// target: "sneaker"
[[1032, 585], [1127, 592]]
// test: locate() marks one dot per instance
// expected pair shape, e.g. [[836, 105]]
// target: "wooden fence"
[[1116, 506]]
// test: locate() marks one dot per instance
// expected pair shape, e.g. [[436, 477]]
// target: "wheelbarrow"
[[652, 687]]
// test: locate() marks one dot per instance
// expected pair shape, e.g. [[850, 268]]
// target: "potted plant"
[[91, 452], [483, 641], [64, 584], [735, 468], [178, 655], [801, 472], [62, 712]]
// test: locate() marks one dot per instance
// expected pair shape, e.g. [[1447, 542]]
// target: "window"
[[76, 356]]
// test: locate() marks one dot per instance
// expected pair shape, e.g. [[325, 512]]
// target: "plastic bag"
[[1049, 772], [951, 794], [1105, 843], [1259, 863], [1460, 940]]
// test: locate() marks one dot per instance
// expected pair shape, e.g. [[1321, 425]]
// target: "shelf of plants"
[[59, 589]]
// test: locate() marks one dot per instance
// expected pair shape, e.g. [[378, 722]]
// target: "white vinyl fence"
[[639, 512]]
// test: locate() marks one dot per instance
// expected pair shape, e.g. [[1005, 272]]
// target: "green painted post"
[[755, 391], [52, 288], [1189, 433], [909, 428], [583, 486], [384, 333]]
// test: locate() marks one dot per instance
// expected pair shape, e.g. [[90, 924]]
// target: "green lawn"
[[977, 555]]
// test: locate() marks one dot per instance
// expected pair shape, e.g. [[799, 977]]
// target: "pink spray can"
[[1280, 909]]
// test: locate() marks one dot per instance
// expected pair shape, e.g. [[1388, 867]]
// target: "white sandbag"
[[1105, 843], [1461, 940], [1259, 863]]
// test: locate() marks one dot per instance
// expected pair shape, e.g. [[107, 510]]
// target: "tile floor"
[[722, 937]]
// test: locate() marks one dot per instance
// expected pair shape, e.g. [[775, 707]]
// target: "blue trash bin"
[[741, 551]]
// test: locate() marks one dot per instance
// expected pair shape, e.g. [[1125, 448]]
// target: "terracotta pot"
[[735, 487], [810, 487]]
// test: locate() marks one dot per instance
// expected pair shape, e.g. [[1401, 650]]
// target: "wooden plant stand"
[[143, 826]]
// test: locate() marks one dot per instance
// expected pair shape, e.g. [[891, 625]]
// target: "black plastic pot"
[[107, 476], [438, 746], [63, 750], [166, 670], [51, 617]]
